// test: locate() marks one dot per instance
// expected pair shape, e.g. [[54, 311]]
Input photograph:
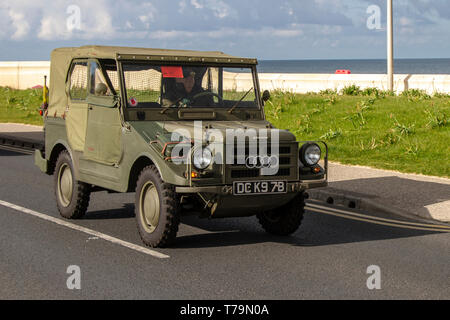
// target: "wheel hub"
[[149, 207], [65, 184]]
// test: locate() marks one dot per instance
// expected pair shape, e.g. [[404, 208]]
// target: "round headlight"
[[202, 158], [310, 154]]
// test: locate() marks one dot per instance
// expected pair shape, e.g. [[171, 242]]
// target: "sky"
[[264, 29]]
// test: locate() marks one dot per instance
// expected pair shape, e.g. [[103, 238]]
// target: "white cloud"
[[170, 34], [48, 27], [287, 33], [196, 4], [20, 24], [219, 8], [128, 25], [100, 19], [182, 6], [96, 22], [258, 25], [226, 33], [103, 19]]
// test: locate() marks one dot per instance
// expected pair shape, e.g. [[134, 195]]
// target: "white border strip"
[[86, 230]]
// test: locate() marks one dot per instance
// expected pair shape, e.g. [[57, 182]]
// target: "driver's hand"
[[185, 102]]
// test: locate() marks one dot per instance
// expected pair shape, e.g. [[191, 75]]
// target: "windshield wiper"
[[240, 100]]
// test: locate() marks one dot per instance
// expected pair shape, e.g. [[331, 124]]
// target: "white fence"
[[26, 74]]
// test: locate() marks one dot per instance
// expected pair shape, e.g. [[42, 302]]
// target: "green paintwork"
[[40, 161], [107, 141]]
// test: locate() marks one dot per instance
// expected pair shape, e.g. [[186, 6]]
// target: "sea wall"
[[23, 74], [315, 82], [26, 74]]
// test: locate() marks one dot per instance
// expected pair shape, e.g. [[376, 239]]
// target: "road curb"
[[347, 199]]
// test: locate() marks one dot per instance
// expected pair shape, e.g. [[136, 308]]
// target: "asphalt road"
[[327, 258]]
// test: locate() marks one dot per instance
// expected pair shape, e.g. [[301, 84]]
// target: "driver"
[[186, 91]]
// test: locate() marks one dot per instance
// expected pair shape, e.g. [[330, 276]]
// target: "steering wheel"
[[208, 93]]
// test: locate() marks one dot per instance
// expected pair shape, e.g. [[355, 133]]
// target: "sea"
[[401, 66]]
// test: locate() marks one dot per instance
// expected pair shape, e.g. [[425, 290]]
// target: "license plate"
[[259, 187]]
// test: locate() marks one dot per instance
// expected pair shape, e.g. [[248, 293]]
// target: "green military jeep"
[[184, 130]]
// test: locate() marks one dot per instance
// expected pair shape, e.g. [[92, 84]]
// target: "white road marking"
[[375, 220], [15, 149], [426, 225], [86, 230]]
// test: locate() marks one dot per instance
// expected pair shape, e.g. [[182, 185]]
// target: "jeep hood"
[[153, 130]]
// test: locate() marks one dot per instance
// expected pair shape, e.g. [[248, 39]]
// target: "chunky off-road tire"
[[284, 220], [157, 209], [72, 196]]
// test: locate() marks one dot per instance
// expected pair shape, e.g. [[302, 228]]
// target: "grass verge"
[[407, 133], [20, 106]]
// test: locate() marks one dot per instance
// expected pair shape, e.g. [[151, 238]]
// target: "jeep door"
[[104, 126], [77, 106]]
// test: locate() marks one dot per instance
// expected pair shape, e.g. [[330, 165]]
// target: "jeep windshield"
[[189, 86]]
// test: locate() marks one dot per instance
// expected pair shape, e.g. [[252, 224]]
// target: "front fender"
[[165, 169]]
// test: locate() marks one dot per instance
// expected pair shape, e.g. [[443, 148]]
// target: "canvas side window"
[[78, 81], [99, 86]]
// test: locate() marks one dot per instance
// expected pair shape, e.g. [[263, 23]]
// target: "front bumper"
[[296, 186]]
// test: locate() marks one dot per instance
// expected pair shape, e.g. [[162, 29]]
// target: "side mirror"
[[265, 95]]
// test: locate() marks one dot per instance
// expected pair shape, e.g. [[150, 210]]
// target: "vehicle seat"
[[101, 89]]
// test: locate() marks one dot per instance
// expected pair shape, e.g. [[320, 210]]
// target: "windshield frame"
[[251, 67]]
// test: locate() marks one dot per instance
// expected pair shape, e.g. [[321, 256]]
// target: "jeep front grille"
[[288, 166], [253, 173], [244, 173]]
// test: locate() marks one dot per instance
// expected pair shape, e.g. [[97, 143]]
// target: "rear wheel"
[[157, 209], [284, 220], [72, 196]]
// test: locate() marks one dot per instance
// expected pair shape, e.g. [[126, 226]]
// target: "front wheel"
[[284, 220], [157, 209]]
